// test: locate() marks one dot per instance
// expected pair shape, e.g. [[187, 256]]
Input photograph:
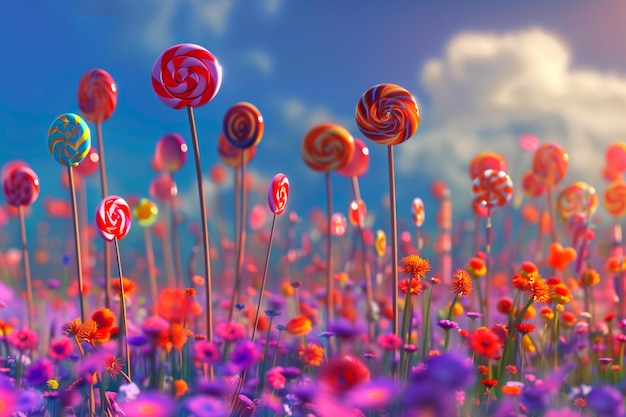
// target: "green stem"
[[426, 323], [450, 313]]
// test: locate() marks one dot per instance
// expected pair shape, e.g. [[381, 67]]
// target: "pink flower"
[[231, 332], [60, 349], [206, 352], [275, 378], [24, 339], [389, 341]]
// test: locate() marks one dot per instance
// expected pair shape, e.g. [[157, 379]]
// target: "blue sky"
[[483, 72]]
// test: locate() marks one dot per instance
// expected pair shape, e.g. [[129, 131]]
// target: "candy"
[[357, 213], [69, 139], [89, 165], [338, 224], [97, 95], [171, 152], [492, 188], [387, 114], [327, 147], [146, 212], [615, 198], [231, 155], [163, 188], [532, 186], [417, 212], [243, 125], [616, 156], [578, 197], [186, 75], [113, 218], [550, 164], [278, 193], [21, 186], [357, 167], [380, 244], [484, 161], [10, 166], [528, 143]]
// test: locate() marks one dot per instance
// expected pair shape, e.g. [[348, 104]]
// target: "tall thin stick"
[[329, 255], [29, 287], [267, 264], [205, 231], [79, 262], [240, 240], [123, 310], [154, 290], [488, 266], [178, 267], [394, 237], [105, 193]]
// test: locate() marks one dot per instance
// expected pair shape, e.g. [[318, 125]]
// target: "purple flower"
[[447, 324], [138, 340], [206, 352], [244, 355], [606, 401], [29, 400], [291, 372], [474, 315], [450, 370], [345, 329], [201, 406], [39, 372]]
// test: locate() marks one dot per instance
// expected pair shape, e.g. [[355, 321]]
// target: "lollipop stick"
[[551, 211], [241, 238], [79, 263], [394, 238], [154, 290], [123, 309], [264, 280], [487, 264], [205, 231], [29, 287], [329, 255], [105, 192], [178, 268]]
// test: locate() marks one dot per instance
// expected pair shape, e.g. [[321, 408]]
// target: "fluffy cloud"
[[487, 89]]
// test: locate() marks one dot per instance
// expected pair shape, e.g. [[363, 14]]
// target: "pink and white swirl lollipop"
[[113, 218], [278, 193], [186, 75], [21, 186], [97, 95], [492, 188]]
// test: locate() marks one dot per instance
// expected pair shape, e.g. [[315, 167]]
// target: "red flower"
[[485, 342], [339, 375]]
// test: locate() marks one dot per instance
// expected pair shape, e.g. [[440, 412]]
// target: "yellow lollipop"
[[146, 212]]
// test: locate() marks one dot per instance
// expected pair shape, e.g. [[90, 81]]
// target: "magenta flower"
[[206, 352], [60, 349], [389, 341], [231, 332], [24, 339], [152, 405], [275, 378]]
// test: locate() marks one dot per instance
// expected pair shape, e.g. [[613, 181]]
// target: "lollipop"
[[528, 143], [327, 147], [615, 198], [243, 125], [550, 164], [10, 166], [381, 243], [89, 165], [171, 152], [484, 161], [532, 186], [163, 188], [231, 155], [97, 95], [278, 193], [21, 186], [339, 223], [186, 75], [578, 197], [357, 212], [417, 212], [387, 114], [113, 218], [492, 188], [146, 212], [357, 167], [69, 139], [616, 156]]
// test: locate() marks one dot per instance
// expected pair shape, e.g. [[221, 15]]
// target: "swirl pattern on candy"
[[484, 161], [21, 186], [69, 139], [113, 218], [417, 212], [492, 188], [387, 114], [327, 147], [578, 197], [615, 199], [243, 125], [278, 193], [550, 164], [231, 155], [97, 95], [146, 212], [186, 75]]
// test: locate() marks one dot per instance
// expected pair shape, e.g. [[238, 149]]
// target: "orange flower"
[[175, 337], [462, 283], [476, 267], [311, 354], [512, 388], [547, 313], [174, 305], [560, 257], [504, 306], [485, 342], [113, 365], [130, 287], [298, 326], [568, 319], [5, 328], [560, 294], [540, 290], [71, 328], [180, 387], [105, 319], [87, 332], [589, 278], [416, 286], [415, 266]]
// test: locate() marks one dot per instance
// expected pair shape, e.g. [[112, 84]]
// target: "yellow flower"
[[53, 384]]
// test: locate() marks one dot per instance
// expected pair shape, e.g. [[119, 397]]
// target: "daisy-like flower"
[[416, 286], [389, 341], [24, 339], [206, 352], [230, 332], [415, 266], [485, 342], [560, 294], [130, 286], [312, 354], [114, 366], [462, 283], [539, 289], [87, 332], [299, 326], [60, 349]]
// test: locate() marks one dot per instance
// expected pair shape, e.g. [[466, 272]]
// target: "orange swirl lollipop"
[[484, 161], [327, 147], [550, 164], [231, 155], [532, 186], [615, 198], [578, 197]]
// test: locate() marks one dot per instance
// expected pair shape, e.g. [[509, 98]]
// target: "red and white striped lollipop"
[[278, 193], [417, 212], [492, 188], [113, 218], [186, 75], [21, 186]]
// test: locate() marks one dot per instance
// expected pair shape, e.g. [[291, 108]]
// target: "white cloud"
[[303, 117], [260, 60], [486, 89], [271, 6]]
